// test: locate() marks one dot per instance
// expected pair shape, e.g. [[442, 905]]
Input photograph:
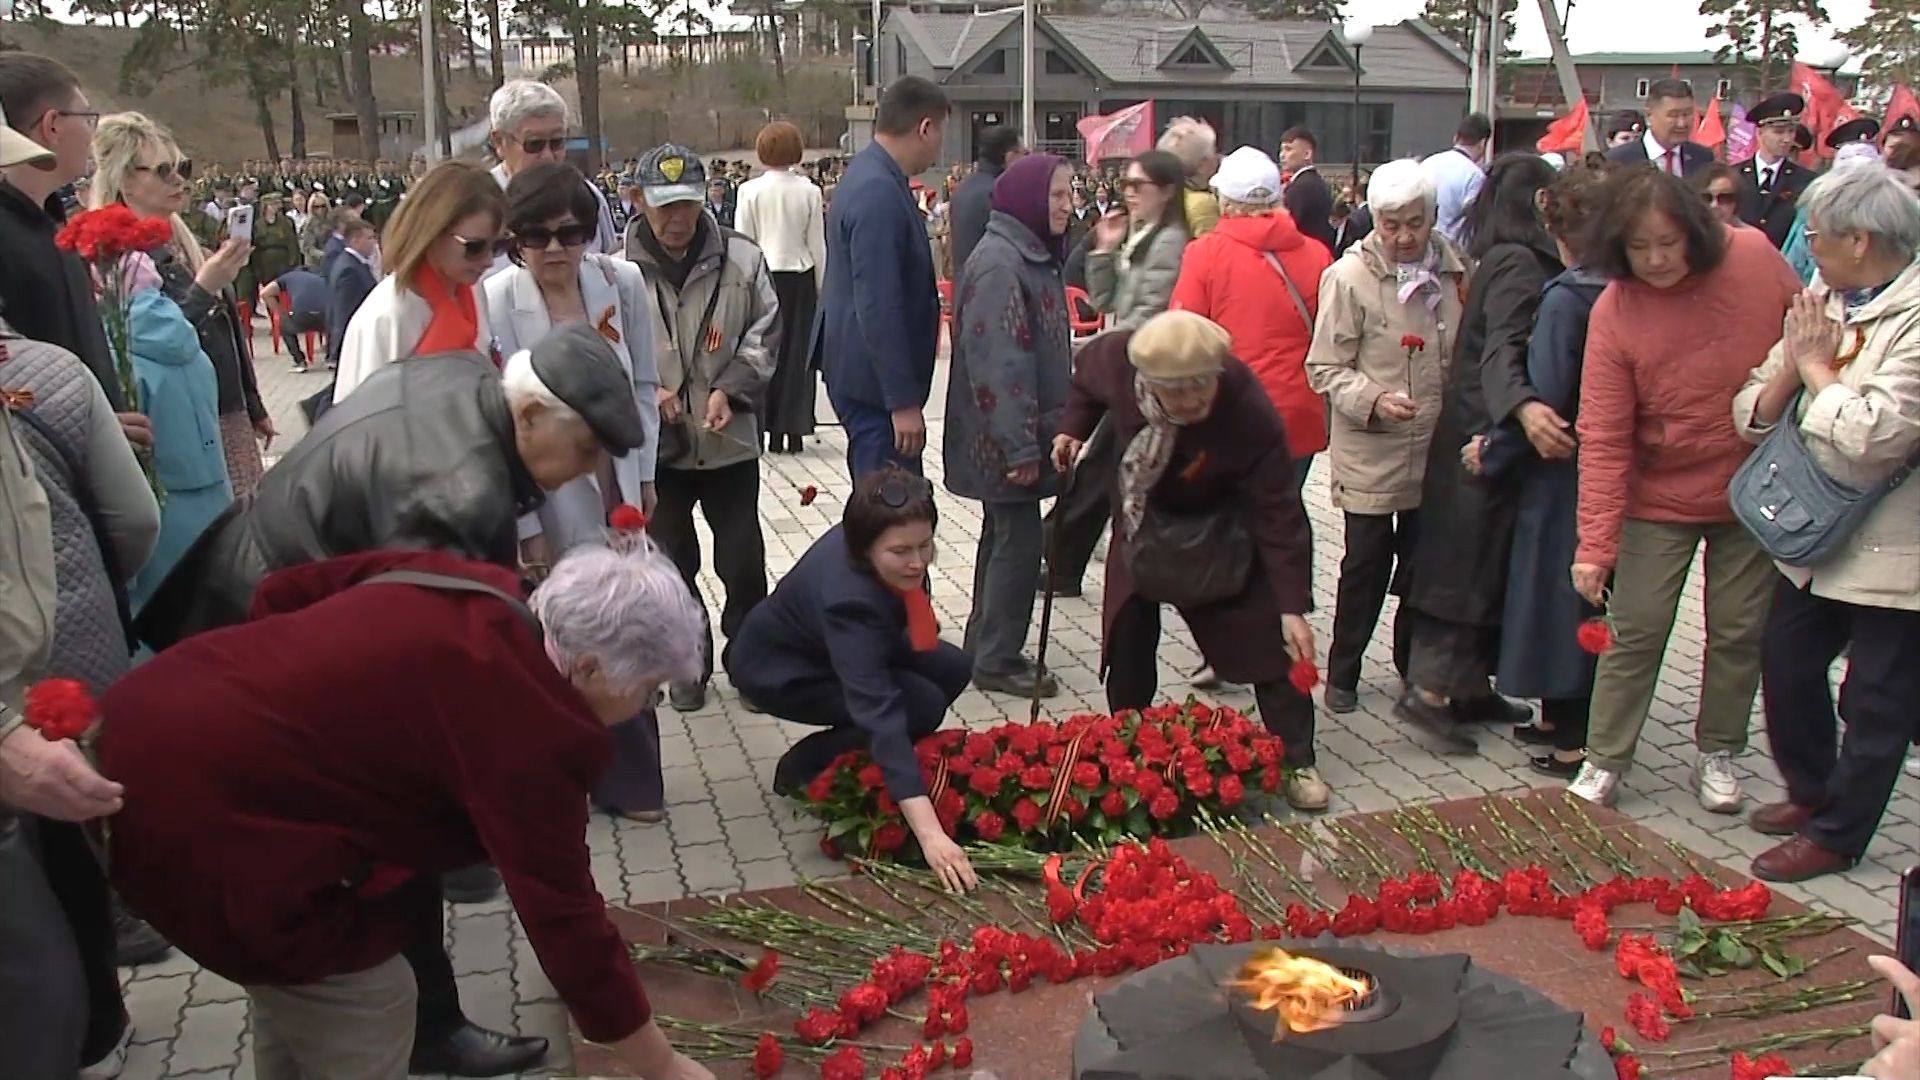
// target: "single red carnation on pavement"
[[626, 518], [1304, 675], [59, 709], [844, 1064], [808, 494], [1590, 922], [1594, 635], [768, 1057], [1609, 1039], [1626, 1067], [818, 1026], [1764, 1067], [763, 972], [963, 1053]]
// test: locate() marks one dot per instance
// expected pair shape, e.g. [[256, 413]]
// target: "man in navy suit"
[[879, 322], [1668, 144], [349, 281]]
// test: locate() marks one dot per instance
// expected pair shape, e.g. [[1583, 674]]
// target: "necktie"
[[1766, 180], [1668, 163]]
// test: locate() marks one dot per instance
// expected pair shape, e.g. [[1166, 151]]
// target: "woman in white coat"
[[438, 245], [555, 280]]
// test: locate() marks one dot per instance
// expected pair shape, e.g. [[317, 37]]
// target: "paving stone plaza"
[[726, 832]]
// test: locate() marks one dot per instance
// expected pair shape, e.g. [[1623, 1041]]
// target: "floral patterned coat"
[[1012, 366]]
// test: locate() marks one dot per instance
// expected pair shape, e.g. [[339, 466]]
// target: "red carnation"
[[963, 1053], [844, 1064], [1304, 675], [1763, 1067], [763, 972], [768, 1057], [1026, 814], [1594, 635], [1590, 922], [1626, 1067], [1609, 1039], [890, 837], [59, 708], [626, 518], [1413, 343], [989, 826], [1231, 790], [818, 1026], [808, 494]]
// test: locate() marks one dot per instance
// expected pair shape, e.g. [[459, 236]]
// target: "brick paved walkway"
[[726, 832]]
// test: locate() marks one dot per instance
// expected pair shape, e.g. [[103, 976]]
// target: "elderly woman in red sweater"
[[387, 717], [1692, 308]]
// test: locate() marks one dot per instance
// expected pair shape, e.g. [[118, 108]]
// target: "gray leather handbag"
[[1799, 514]]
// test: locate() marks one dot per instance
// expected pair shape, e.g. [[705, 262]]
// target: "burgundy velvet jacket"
[[284, 774]]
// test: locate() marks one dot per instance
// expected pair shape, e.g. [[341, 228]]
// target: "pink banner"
[[1124, 134], [1742, 136]]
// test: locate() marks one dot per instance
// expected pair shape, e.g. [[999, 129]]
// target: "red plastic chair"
[[1078, 301], [285, 306]]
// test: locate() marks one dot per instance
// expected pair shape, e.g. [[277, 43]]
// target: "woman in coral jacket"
[[1257, 275]]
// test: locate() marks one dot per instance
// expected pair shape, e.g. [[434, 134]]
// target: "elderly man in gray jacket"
[[719, 319]]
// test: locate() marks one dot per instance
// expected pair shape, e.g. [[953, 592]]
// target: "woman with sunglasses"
[[439, 244], [140, 165], [849, 643], [556, 280], [1719, 188]]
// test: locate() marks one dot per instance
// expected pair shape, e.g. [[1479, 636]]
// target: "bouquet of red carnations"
[[1053, 786]]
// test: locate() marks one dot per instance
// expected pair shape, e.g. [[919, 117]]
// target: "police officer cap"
[[1906, 125], [1778, 109], [1627, 121], [580, 367], [1802, 138], [1863, 129]]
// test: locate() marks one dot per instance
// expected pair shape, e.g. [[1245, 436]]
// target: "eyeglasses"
[[92, 118], [539, 237], [166, 171], [1720, 198], [555, 145], [900, 489], [487, 247]]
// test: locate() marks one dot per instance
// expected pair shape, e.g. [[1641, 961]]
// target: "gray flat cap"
[[581, 369]]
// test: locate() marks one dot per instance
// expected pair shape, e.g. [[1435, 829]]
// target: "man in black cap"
[[436, 452], [1625, 127], [1861, 129], [1904, 129], [1771, 180]]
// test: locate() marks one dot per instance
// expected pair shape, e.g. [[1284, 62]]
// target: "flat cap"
[[1178, 345], [581, 369]]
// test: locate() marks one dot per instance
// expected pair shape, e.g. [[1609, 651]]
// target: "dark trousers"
[[437, 1012], [1079, 518], [929, 684], [1848, 786], [1006, 578], [729, 498], [296, 323], [869, 431], [1568, 718], [1375, 544], [43, 984], [1133, 679]]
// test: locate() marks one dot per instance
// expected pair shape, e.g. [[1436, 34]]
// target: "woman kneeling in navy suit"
[[848, 643]]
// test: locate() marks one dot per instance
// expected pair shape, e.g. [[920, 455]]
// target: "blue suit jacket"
[[879, 321], [1693, 156], [348, 282]]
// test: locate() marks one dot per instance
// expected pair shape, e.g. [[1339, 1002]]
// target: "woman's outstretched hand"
[[947, 859]]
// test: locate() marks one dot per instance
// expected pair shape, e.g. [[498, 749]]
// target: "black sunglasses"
[[557, 144], [901, 489], [492, 245], [538, 237], [167, 170], [1720, 198]]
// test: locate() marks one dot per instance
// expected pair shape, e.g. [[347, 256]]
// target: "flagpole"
[[1569, 77], [1026, 73]]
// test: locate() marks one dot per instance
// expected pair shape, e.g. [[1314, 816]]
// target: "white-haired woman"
[[1389, 313], [400, 714], [1847, 375], [139, 164]]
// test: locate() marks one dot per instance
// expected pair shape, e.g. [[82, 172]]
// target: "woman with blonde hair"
[[139, 164], [782, 211], [438, 245]]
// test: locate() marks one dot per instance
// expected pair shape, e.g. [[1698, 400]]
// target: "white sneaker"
[[1718, 788], [1306, 791], [1596, 785], [1913, 765]]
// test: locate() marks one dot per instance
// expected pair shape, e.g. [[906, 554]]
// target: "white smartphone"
[[240, 223]]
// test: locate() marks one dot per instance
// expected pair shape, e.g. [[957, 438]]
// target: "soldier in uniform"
[[1904, 129], [1770, 180], [276, 249], [1625, 127], [385, 200]]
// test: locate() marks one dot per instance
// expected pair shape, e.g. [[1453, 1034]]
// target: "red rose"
[[963, 1053], [764, 971], [1304, 675], [808, 494], [59, 708], [1594, 635], [844, 1064], [768, 1058], [1026, 814], [989, 825], [626, 518]]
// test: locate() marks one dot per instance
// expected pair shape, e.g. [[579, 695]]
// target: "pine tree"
[[1888, 43], [1326, 11], [1762, 36], [1460, 20]]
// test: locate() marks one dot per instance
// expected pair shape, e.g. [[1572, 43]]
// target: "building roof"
[[1627, 59], [1136, 50]]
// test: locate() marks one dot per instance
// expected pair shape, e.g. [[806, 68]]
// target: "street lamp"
[[1356, 36], [859, 76]]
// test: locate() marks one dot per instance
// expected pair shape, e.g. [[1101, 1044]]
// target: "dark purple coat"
[[1236, 457]]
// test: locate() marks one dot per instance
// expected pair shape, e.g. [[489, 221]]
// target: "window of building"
[[1328, 59], [1059, 65], [1641, 86], [899, 57], [994, 63], [1723, 89], [1194, 56]]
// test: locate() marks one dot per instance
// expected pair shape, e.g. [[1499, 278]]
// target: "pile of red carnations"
[[1089, 780]]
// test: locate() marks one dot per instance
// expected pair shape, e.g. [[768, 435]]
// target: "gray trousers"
[[43, 991], [1006, 579], [346, 1027]]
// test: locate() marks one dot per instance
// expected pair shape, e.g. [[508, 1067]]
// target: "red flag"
[[1567, 134], [1126, 133], [1901, 104], [1710, 131], [1827, 107]]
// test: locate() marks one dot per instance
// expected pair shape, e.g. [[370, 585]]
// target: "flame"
[[1307, 994]]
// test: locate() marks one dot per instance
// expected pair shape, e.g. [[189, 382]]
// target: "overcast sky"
[[1614, 25]]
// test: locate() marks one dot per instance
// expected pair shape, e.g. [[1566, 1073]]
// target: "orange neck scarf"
[[923, 628], [455, 325]]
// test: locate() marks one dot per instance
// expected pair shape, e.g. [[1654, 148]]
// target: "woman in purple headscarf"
[[1012, 364]]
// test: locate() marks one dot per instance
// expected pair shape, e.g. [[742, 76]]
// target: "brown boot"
[[1799, 859], [1779, 819]]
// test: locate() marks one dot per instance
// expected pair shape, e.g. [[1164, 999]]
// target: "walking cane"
[[1046, 600]]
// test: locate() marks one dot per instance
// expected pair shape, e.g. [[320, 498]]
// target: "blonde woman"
[[140, 165], [438, 245]]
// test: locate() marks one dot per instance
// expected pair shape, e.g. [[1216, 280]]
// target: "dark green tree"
[[1888, 42], [1761, 36]]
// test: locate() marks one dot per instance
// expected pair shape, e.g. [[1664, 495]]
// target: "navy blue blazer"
[[348, 282], [879, 321], [831, 620], [1693, 156]]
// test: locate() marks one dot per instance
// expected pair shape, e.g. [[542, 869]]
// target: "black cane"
[[1046, 598]]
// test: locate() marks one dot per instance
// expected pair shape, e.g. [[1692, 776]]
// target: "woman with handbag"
[[551, 218], [1691, 309], [1844, 384], [1206, 517]]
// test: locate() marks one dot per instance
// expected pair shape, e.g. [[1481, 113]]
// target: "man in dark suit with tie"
[[1307, 197], [349, 280], [1668, 144], [1771, 180]]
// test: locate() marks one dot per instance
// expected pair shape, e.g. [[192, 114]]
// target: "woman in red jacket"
[[1257, 275], [1693, 307]]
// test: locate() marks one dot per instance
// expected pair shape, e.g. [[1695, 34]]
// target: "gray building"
[[1251, 79]]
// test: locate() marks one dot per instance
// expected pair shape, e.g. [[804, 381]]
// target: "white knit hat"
[[1248, 176]]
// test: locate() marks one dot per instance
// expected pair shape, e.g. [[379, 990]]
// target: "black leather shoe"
[[1491, 709], [1017, 683], [1434, 726], [473, 885], [135, 942], [472, 1050]]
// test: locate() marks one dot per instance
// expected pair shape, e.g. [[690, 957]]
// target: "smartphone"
[[240, 223], [1906, 941]]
